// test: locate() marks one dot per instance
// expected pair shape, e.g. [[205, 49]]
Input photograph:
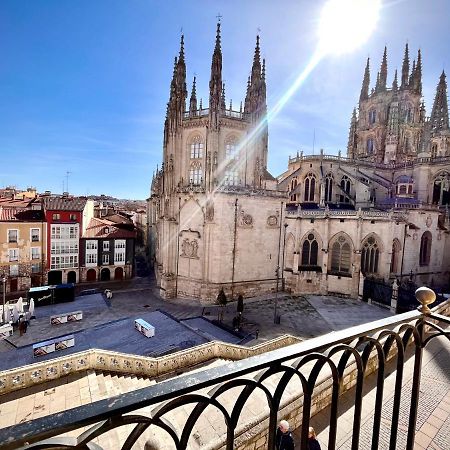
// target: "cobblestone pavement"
[[433, 419]]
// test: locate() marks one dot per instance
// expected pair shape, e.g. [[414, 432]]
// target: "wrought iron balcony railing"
[[304, 362]]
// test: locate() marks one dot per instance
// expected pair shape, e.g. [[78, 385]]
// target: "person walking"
[[283, 438], [313, 443]]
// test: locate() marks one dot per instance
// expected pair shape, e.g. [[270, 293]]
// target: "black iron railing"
[[303, 362]]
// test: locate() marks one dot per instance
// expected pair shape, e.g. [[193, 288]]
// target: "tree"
[[222, 301]]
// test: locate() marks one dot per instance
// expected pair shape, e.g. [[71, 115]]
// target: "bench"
[[66, 317], [144, 327], [52, 345]]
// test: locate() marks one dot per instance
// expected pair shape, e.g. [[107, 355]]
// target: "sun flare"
[[347, 24]]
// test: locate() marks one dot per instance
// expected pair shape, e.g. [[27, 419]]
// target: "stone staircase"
[[80, 389]]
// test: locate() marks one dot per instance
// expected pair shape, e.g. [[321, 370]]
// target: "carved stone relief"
[[189, 248]]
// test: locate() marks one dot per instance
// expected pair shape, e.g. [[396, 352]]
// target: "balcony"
[[342, 378]]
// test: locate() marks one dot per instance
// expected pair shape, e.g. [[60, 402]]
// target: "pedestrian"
[[283, 438], [21, 326], [313, 443]]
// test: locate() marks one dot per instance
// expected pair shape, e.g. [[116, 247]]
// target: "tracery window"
[[345, 188], [441, 189], [231, 149], [231, 177], [340, 256], [196, 174], [310, 186], [196, 148], [370, 256], [328, 188], [425, 249], [293, 187], [310, 250]]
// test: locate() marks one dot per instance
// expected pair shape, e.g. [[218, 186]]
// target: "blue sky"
[[84, 84]]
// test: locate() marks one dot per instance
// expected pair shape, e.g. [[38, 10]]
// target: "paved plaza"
[[109, 324]]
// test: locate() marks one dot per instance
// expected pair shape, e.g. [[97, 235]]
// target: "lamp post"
[[4, 299]]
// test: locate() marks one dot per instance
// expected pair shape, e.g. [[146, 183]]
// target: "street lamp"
[[4, 298]]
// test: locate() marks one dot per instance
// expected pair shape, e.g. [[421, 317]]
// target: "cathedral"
[[218, 219]]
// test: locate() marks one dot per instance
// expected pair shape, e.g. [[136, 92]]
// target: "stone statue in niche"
[[189, 249]]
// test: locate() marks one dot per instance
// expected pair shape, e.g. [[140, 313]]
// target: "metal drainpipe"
[[234, 248]]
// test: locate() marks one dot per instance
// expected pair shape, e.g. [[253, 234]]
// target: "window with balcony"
[[35, 253], [13, 236], [35, 235], [91, 258], [91, 245], [13, 254]]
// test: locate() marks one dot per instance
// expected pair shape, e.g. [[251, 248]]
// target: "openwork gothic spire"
[[366, 82], [193, 100], [405, 69], [383, 72], [439, 113], [215, 82]]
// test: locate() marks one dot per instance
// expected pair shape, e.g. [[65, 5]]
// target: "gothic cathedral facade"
[[218, 219], [215, 211]]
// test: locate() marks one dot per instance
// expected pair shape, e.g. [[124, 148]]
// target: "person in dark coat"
[[313, 443], [283, 438]]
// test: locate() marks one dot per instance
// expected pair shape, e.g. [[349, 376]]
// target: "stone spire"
[[215, 82], [366, 83], [351, 146], [395, 82], [377, 84], [417, 81], [383, 71], [439, 113], [255, 99], [405, 69], [181, 78], [193, 100], [411, 76]]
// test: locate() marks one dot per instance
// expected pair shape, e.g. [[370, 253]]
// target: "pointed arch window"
[[231, 177], [231, 149], [372, 116], [370, 256], [293, 187], [310, 187], [196, 148], [310, 251], [345, 189], [329, 188], [369, 146], [441, 189], [340, 256], [196, 174], [425, 249]]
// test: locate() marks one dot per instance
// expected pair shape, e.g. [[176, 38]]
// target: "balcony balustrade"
[[366, 346]]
